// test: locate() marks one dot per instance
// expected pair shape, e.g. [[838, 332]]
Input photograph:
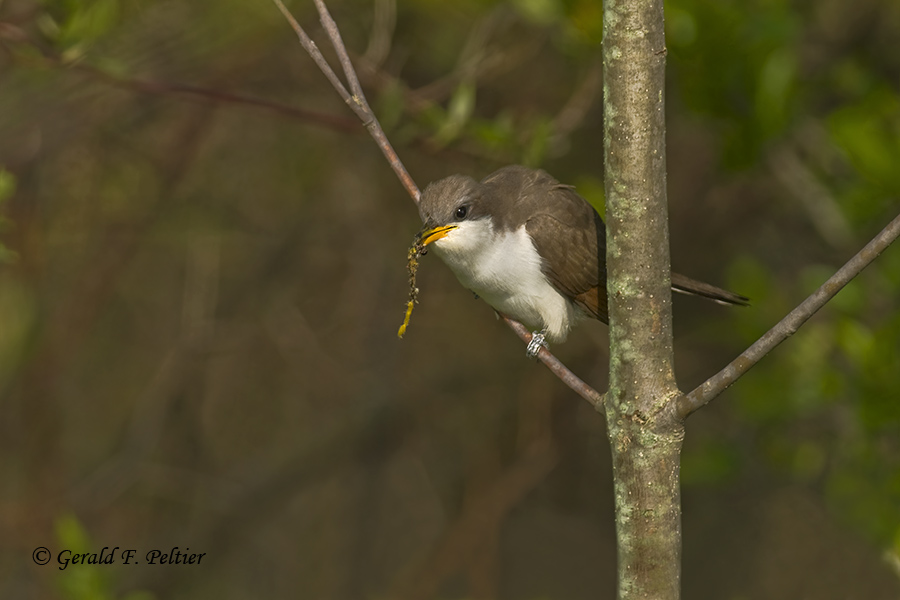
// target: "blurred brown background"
[[204, 272]]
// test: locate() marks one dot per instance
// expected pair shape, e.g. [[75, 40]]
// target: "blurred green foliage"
[[73, 25], [96, 165], [825, 407], [7, 189], [86, 581]]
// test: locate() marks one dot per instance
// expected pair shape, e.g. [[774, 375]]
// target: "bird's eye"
[[461, 212]]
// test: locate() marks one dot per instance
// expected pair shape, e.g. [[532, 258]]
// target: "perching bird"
[[530, 246]]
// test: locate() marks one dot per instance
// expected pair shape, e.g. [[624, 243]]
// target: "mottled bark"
[[644, 429]]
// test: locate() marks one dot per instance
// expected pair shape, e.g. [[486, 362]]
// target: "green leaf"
[[773, 93], [79, 581], [7, 185], [72, 534], [591, 189], [537, 146], [869, 133], [80, 24], [459, 110], [543, 12]]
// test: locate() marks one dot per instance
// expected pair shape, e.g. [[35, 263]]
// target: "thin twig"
[[357, 103], [585, 96], [713, 386], [334, 34], [360, 106], [557, 367], [337, 123], [45, 57], [383, 25], [316, 55], [814, 196]]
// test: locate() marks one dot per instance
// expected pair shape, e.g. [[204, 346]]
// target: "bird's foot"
[[537, 342]]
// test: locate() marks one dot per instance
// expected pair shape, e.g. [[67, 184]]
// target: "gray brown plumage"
[[565, 230]]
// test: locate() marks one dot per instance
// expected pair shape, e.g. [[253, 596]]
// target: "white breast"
[[505, 270]]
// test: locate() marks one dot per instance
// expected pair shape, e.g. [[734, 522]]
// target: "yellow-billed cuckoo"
[[530, 247]]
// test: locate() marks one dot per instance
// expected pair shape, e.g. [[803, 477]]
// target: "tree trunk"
[[648, 506], [644, 429]]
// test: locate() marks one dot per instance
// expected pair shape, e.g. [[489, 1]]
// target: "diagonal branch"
[[42, 57], [557, 367], [349, 72], [343, 124], [358, 103], [316, 55], [713, 386]]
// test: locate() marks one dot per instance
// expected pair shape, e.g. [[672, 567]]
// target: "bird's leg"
[[537, 342]]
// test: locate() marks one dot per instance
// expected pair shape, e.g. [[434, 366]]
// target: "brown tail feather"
[[686, 285]]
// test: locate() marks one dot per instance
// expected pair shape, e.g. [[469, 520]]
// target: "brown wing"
[[571, 237]]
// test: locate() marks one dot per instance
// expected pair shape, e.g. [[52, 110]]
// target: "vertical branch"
[[637, 214], [644, 430]]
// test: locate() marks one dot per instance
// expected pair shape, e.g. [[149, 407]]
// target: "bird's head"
[[454, 216]]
